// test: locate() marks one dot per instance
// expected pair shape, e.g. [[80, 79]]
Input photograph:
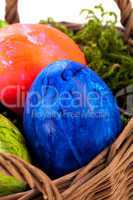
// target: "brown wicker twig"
[[126, 17], [11, 11]]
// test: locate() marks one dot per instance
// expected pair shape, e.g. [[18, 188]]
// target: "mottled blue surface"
[[70, 116]]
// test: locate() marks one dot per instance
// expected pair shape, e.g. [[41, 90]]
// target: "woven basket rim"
[[66, 185]]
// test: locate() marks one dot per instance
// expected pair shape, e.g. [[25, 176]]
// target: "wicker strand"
[[11, 12], [35, 178], [125, 7]]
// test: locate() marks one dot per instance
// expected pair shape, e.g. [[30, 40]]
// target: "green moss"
[[105, 49], [3, 24]]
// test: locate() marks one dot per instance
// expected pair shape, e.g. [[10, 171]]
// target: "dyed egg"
[[24, 51], [11, 141], [70, 116]]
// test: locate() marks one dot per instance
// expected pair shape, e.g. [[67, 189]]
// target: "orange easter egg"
[[25, 49]]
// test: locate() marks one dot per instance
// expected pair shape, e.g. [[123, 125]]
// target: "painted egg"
[[70, 116], [11, 141], [24, 51]]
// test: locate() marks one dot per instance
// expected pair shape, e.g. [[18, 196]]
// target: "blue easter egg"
[[70, 116]]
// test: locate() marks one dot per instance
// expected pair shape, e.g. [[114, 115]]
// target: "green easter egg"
[[11, 141]]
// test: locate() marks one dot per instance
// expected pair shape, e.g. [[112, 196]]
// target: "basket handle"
[[11, 11], [125, 7]]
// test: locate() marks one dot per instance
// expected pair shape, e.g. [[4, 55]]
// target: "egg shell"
[[25, 49], [70, 116]]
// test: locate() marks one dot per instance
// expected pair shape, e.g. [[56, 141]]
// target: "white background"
[[31, 11]]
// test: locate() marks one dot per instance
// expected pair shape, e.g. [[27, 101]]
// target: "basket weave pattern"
[[108, 177]]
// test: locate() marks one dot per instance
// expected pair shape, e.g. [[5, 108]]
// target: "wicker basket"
[[108, 177]]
